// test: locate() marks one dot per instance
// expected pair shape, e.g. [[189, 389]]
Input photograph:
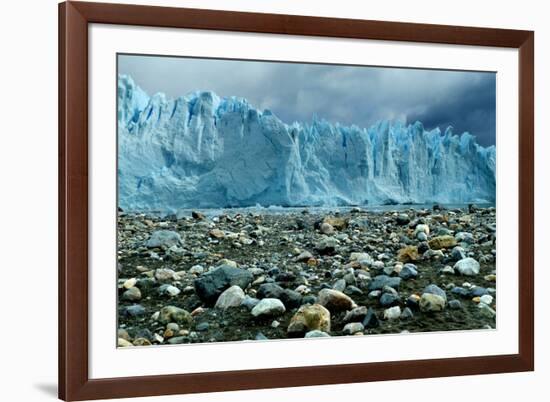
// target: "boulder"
[[309, 318], [210, 285]]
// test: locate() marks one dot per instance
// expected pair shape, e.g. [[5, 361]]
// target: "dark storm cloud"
[[345, 94]]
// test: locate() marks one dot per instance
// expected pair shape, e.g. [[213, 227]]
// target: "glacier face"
[[203, 151]]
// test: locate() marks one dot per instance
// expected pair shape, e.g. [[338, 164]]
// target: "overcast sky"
[[345, 94]]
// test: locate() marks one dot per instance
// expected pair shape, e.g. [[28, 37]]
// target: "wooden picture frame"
[[74, 381]]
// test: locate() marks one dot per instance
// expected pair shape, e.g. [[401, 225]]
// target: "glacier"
[[204, 151]]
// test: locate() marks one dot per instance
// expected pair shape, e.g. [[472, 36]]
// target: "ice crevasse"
[[203, 151]]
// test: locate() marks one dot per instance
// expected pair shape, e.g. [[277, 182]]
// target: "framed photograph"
[[260, 200]]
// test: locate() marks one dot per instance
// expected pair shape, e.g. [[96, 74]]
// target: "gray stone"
[[231, 297], [371, 319], [392, 313], [164, 238], [430, 302], [250, 302], [455, 304], [388, 299], [211, 285], [467, 266], [268, 308], [406, 314], [458, 253], [135, 310], [317, 334], [132, 294], [353, 328], [380, 281], [436, 290], [408, 271]]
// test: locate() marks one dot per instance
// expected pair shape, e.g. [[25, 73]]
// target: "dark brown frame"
[[74, 17]]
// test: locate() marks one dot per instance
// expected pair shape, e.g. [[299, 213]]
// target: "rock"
[[402, 219], [455, 304], [371, 319], [217, 234], [177, 340], [448, 270], [436, 290], [467, 266], [413, 301], [175, 314], [122, 333], [353, 328], [422, 228], [464, 237], [408, 254], [197, 215], [164, 239], [142, 342], [356, 315], [169, 290], [487, 299], [130, 283], [327, 245], [269, 290], [326, 228], [430, 302], [123, 343], [291, 299], [440, 242], [210, 285], [421, 236], [317, 334], [380, 281], [135, 310], [392, 313], [203, 326], [268, 308], [388, 299], [335, 300], [458, 253], [196, 269], [478, 291], [486, 310], [250, 302], [406, 314], [362, 258], [490, 278], [304, 256], [132, 294], [260, 337], [460, 291], [309, 318], [165, 275], [340, 285], [408, 271], [231, 297], [336, 222]]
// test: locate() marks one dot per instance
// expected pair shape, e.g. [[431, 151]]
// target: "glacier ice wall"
[[203, 151]]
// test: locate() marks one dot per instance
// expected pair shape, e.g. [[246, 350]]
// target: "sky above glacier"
[[347, 94]]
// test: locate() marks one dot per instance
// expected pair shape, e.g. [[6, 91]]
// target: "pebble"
[[371, 319], [268, 308], [132, 294], [430, 302], [316, 334], [392, 313], [231, 297], [352, 328], [467, 266]]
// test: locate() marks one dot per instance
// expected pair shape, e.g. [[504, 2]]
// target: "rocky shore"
[[258, 275]]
